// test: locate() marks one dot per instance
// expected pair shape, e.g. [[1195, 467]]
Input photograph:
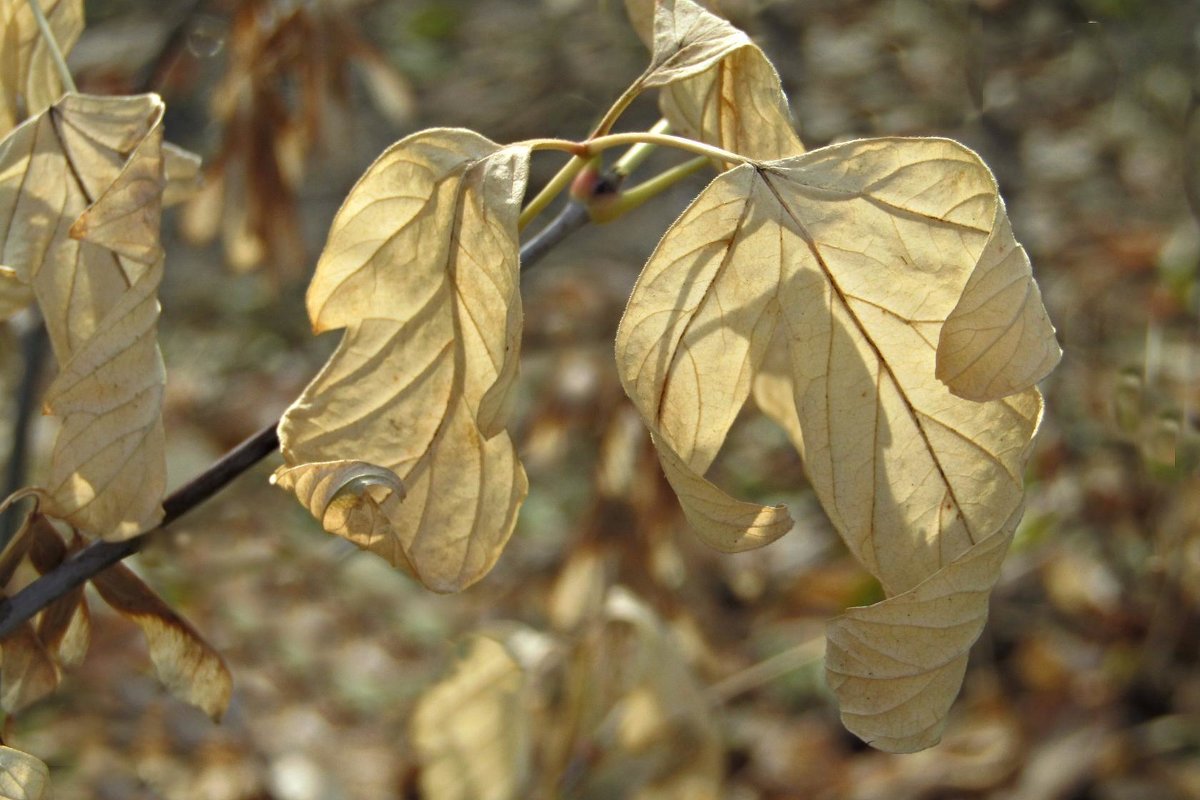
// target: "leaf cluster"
[[868, 296]]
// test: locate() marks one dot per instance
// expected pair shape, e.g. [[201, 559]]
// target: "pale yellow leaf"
[[998, 339], [186, 664], [850, 258], [687, 40], [421, 269], [22, 777], [80, 198], [897, 666], [471, 730], [30, 81], [732, 98]]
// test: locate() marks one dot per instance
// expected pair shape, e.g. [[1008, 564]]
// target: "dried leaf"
[[14, 294], [64, 627], [733, 100], [998, 339], [30, 82], [80, 198], [687, 41], [186, 664], [181, 172], [896, 666], [22, 777], [27, 671], [850, 257], [471, 730], [421, 269]]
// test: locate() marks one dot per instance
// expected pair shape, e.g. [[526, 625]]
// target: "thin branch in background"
[[34, 342], [100, 555]]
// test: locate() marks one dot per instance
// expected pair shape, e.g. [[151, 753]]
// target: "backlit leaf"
[[850, 258], [22, 777], [29, 81], [686, 41], [732, 99], [471, 730], [896, 666], [80, 201], [28, 672], [186, 664], [421, 270], [998, 339], [65, 625]]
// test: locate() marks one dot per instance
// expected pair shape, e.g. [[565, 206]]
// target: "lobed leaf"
[[186, 664], [847, 261], [421, 270], [80, 201], [998, 339], [22, 776], [729, 94]]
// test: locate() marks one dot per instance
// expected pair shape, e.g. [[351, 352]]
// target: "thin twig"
[[56, 55], [101, 555]]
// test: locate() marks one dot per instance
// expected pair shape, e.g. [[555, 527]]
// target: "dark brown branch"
[[101, 555]]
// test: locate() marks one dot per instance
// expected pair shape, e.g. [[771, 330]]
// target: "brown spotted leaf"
[[850, 258], [420, 268], [80, 200], [186, 664]]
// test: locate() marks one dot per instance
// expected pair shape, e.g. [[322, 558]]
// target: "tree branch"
[[101, 555]]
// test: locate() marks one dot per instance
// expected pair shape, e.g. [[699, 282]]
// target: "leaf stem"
[[56, 55], [633, 158], [591, 147], [100, 555], [617, 109], [652, 187], [561, 180]]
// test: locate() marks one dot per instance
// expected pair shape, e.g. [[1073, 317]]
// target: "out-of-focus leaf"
[[729, 95], [471, 730], [22, 777], [998, 339], [181, 173], [80, 199], [186, 664], [421, 269], [851, 258], [29, 81], [668, 740]]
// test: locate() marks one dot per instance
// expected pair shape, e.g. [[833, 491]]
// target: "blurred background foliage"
[[615, 656]]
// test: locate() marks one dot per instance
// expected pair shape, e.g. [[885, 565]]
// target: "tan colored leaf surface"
[[181, 171], [80, 198], [14, 295], [186, 664], [421, 269], [29, 81], [851, 257], [687, 41], [22, 777], [730, 96], [471, 730], [896, 666], [998, 339]]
